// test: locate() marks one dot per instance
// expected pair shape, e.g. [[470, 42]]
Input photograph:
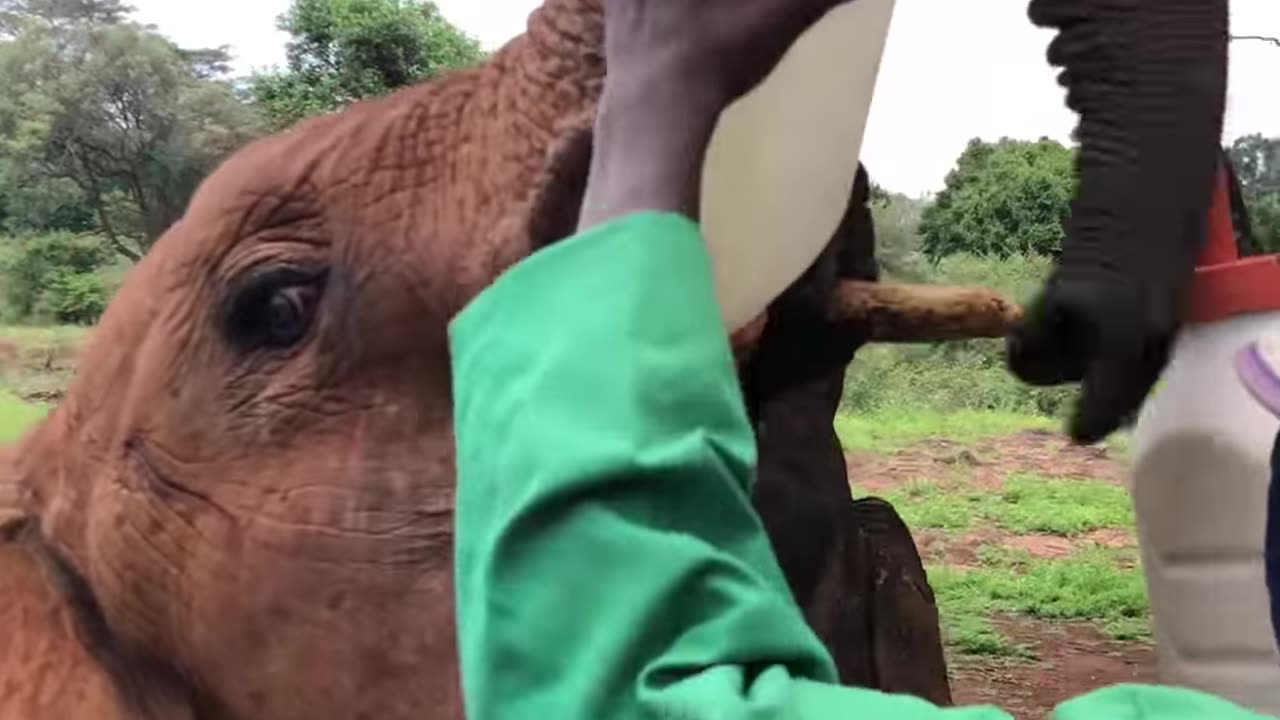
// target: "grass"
[[32, 359], [35, 337], [1033, 504], [1026, 504], [1101, 585], [38, 361], [892, 429], [16, 416], [1097, 584]]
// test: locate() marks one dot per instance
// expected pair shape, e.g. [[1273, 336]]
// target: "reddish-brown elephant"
[[243, 506]]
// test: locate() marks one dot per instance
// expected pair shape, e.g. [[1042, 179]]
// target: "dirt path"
[[985, 462], [1070, 658], [961, 550]]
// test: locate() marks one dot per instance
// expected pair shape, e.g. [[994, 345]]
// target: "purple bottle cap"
[[1258, 366]]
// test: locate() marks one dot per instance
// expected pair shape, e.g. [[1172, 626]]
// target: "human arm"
[[608, 560]]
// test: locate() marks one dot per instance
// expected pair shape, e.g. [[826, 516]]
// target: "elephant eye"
[[275, 311]]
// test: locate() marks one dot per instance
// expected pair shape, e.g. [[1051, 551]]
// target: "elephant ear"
[[556, 199], [547, 212]]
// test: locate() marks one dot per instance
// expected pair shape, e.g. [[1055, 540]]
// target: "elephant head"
[[246, 496]]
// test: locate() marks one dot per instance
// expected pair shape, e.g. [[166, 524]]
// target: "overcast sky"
[[952, 71]]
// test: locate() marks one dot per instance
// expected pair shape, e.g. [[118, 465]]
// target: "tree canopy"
[[1257, 164], [107, 127], [105, 124], [1004, 198], [343, 50]]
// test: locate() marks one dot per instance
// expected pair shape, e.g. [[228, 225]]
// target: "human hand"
[[719, 49], [673, 66]]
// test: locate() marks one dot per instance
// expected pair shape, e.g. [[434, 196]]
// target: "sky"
[[951, 71]]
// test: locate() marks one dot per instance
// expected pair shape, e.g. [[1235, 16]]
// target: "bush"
[[1001, 199], [55, 278], [898, 241], [73, 298]]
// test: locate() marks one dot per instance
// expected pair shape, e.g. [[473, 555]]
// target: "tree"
[[344, 50], [897, 224], [1257, 165], [18, 15], [1005, 198], [114, 113], [54, 277]]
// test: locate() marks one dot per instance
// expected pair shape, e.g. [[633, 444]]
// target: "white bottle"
[[1200, 474], [780, 166]]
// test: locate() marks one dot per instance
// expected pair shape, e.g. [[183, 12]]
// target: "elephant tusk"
[[909, 313]]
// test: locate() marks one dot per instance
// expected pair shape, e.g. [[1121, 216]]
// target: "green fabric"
[[608, 561]]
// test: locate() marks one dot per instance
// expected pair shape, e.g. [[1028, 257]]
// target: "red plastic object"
[[1226, 285]]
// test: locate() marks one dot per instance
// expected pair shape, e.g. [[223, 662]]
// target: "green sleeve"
[[608, 562]]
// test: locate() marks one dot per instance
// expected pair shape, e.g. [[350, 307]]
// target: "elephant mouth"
[[160, 484]]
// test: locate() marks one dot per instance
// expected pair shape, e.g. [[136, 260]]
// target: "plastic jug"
[[1199, 479], [781, 163]]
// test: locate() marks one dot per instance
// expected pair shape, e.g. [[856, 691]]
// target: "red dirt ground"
[[1071, 658], [985, 463], [961, 551]]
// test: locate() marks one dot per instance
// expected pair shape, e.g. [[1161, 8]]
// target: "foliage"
[[32, 203], [1002, 199], [344, 50], [72, 297], [55, 277], [115, 119], [1257, 164], [16, 15], [1096, 584], [898, 241]]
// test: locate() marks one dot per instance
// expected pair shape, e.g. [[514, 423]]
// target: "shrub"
[[73, 298], [54, 277]]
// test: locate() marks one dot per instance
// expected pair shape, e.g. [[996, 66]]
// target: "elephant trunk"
[[908, 313], [1148, 78]]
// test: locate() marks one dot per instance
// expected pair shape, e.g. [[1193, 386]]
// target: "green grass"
[[16, 416], [36, 360], [35, 337], [892, 429], [1096, 584], [1033, 504], [935, 505], [1026, 504]]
